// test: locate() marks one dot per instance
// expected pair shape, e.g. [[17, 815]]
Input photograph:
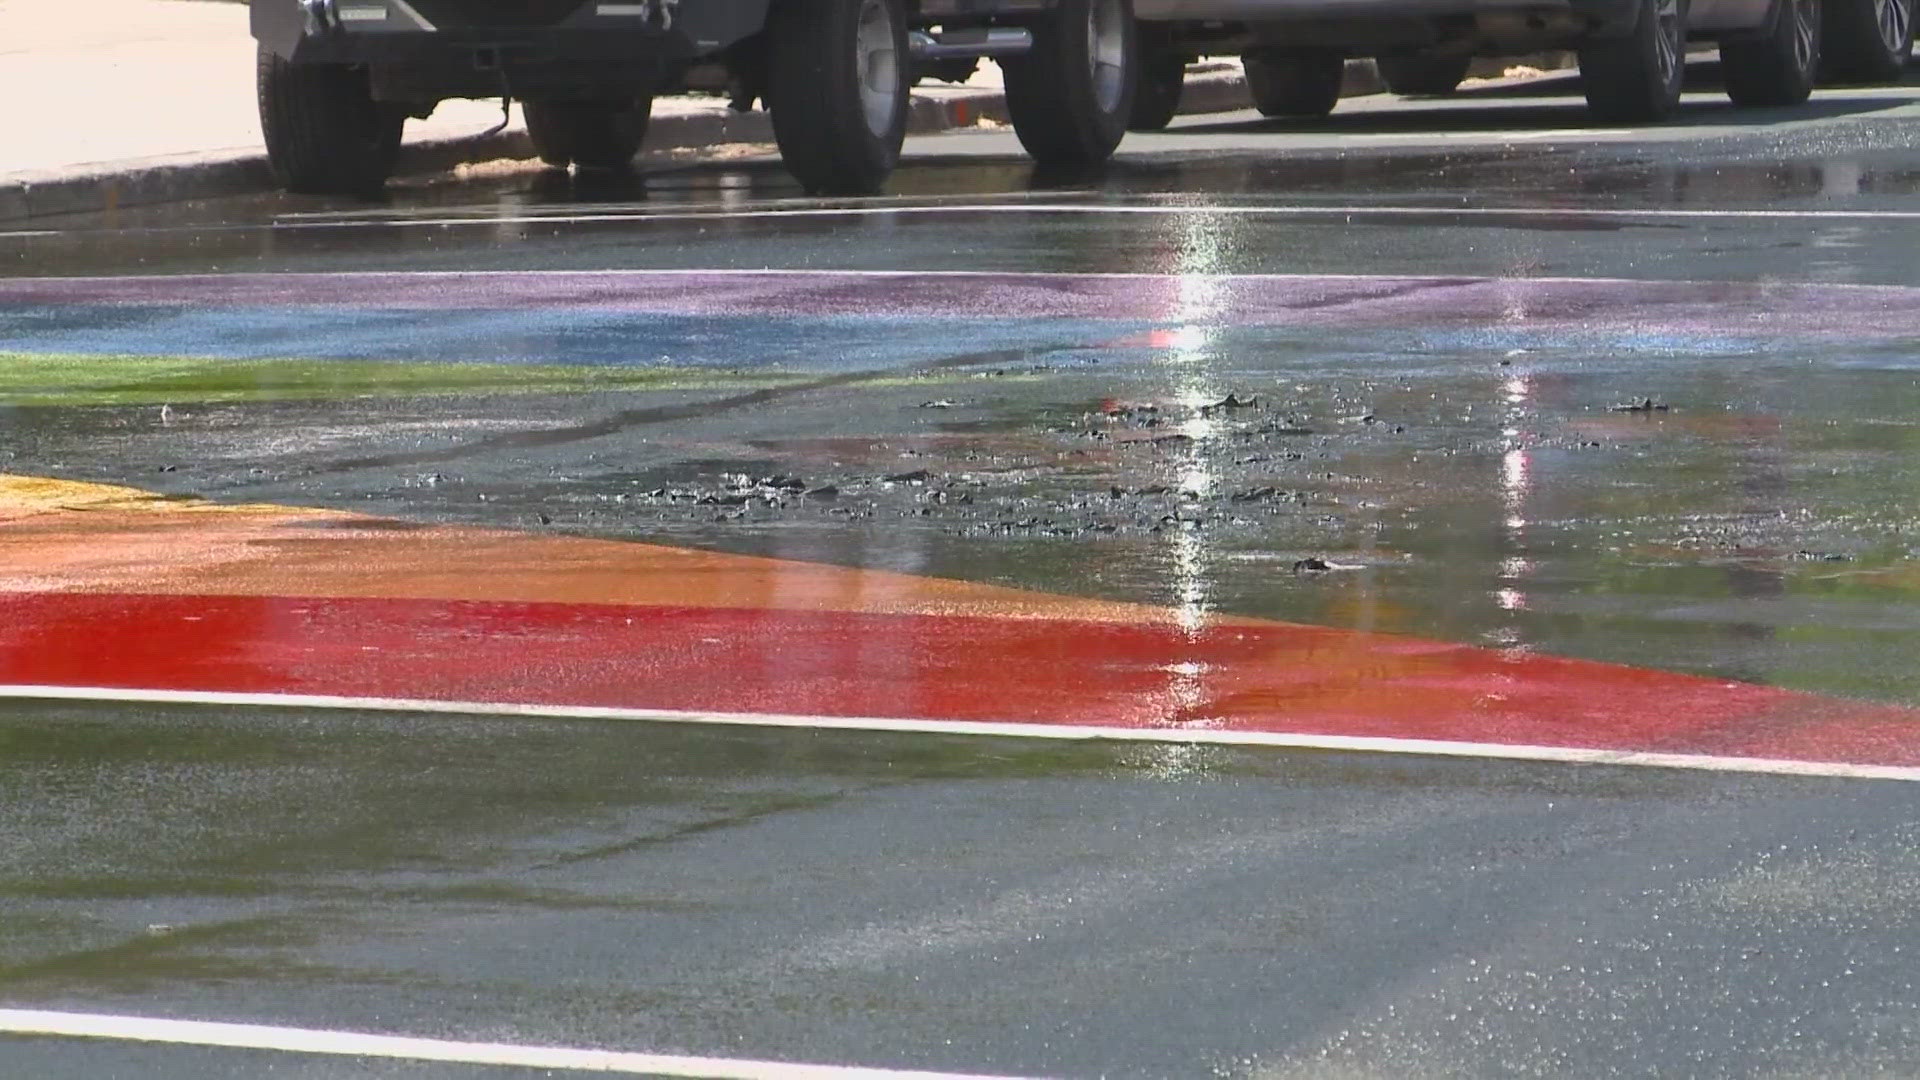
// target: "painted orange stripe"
[[68, 537]]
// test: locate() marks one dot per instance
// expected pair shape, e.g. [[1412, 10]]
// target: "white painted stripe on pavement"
[[584, 207], [1569, 755], [1007, 275], [356, 1044], [1503, 212]]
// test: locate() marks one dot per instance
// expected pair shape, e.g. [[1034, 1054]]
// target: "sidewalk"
[[152, 100]]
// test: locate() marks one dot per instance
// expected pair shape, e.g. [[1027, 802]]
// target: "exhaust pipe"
[[970, 44]]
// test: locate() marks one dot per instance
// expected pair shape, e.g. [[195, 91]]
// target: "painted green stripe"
[[43, 379]]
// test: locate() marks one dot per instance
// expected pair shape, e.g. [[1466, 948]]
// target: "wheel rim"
[[1806, 32], [1671, 43], [1107, 53], [879, 67], [1895, 20]]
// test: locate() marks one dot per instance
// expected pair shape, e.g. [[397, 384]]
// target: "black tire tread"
[[1156, 97], [823, 140], [1760, 72], [1052, 103], [1851, 49], [1617, 78], [592, 136], [1295, 82], [325, 134]]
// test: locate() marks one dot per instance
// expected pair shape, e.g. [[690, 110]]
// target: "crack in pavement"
[[660, 414]]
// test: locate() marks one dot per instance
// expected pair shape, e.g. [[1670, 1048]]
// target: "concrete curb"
[[227, 173], [237, 172], [150, 180]]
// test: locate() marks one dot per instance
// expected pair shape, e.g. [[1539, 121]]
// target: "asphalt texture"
[[1676, 431]]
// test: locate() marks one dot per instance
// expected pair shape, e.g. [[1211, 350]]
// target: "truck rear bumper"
[[596, 49]]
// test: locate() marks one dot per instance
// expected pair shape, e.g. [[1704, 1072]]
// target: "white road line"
[[1568, 755], [1600, 213], [808, 271], [356, 1044], [1003, 275], [378, 214]]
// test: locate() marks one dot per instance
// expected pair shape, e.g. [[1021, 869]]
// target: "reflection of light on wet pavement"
[[1186, 340], [1516, 483], [1198, 306], [1171, 761], [1199, 428], [1192, 585], [1196, 477], [1196, 309], [1841, 178]]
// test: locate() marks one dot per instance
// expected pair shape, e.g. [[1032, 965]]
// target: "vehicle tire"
[[1636, 79], [325, 134], [1071, 96], [589, 135], [1156, 98], [1865, 41], [1422, 74], [837, 88], [1295, 82], [1777, 68]]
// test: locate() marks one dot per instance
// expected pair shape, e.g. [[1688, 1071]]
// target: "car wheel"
[[1422, 74], [1156, 100], [1636, 79], [1071, 96], [837, 88], [325, 133], [1776, 68], [603, 137], [1295, 82], [1865, 41]]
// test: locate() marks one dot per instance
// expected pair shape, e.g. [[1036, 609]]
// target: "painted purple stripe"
[[1853, 311]]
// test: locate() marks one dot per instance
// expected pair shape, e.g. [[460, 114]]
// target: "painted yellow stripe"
[[27, 496]]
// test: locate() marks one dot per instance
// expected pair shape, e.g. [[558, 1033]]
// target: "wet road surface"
[[1485, 544]]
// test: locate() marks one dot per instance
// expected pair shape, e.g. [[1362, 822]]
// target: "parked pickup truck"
[[339, 78]]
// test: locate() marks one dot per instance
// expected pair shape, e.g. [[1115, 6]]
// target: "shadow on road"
[[1552, 101]]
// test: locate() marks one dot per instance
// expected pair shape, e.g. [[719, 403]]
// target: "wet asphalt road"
[[982, 905], [963, 905]]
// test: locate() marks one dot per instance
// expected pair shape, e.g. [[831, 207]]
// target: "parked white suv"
[[1631, 51]]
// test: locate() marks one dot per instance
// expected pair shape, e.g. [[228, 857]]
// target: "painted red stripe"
[[1276, 678]]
